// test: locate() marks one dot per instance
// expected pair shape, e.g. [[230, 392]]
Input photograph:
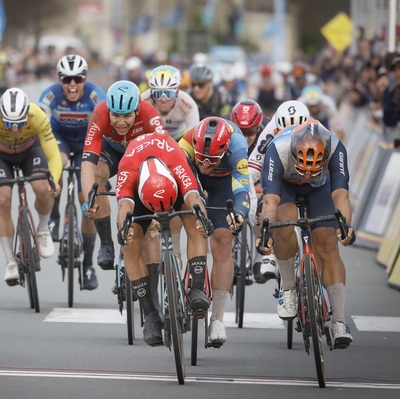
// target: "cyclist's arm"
[[256, 158], [88, 172], [125, 204], [41, 124]]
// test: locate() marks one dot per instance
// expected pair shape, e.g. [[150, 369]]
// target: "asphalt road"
[[83, 352]]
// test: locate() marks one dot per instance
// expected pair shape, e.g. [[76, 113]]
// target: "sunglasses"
[[201, 85], [18, 125], [169, 94], [211, 159], [303, 172], [68, 79]]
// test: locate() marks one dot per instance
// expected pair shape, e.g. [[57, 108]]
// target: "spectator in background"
[[211, 100], [391, 95]]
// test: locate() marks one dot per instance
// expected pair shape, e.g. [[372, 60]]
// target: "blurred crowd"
[[368, 78]]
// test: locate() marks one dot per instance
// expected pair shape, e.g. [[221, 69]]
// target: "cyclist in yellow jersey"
[[26, 140]]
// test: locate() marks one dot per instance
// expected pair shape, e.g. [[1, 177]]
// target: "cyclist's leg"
[[44, 202], [139, 278], [197, 262], [54, 221], [104, 169], [326, 246], [88, 230]]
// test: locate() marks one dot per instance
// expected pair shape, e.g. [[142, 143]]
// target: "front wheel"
[[29, 257], [175, 316], [314, 313]]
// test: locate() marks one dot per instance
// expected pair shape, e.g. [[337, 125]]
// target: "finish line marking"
[[192, 379]]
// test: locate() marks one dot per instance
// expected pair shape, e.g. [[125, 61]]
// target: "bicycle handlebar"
[[93, 193], [18, 179], [163, 218], [304, 223]]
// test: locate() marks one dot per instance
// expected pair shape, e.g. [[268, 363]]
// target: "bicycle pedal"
[[249, 282]]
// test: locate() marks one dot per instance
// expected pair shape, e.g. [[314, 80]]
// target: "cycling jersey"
[[183, 116], [217, 105], [69, 119], [256, 156], [147, 121], [158, 145], [234, 163], [279, 166], [37, 127]]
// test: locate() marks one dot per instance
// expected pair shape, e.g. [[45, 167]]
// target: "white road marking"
[[74, 315], [377, 323], [250, 320], [189, 379]]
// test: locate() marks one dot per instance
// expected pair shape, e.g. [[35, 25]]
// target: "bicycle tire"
[[241, 268], [71, 251], [314, 310], [30, 258], [130, 325], [195, 337], [175, 314]]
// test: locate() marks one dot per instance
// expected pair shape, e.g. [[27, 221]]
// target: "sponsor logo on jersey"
[[187, 105], [49, 98], [159, 143], [183, 176], [242, 166]]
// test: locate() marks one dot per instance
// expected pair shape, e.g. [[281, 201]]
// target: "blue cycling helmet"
[[123, 97]]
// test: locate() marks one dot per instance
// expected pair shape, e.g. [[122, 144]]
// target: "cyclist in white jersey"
[[179, 113], [289, 113]]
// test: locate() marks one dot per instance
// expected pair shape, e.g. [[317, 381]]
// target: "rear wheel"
[[314, 312], [71, 252], [129, 310], [30, 258], [175, 314]]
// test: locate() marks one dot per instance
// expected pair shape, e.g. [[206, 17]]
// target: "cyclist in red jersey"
[[112, 125], [155, 175]]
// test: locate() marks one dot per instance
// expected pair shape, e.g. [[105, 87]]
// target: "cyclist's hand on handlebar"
[[121, 236], [89, 212], [237, 225], [350, 237], [56, 192], [265, 250], [205, 231]]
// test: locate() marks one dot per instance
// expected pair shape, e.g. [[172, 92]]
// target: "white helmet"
[[14, 105], [291, 113], [72, 65], [228, 73], [165, 77]]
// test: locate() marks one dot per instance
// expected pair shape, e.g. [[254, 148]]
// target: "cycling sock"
[[55, 212], [103, 227], [219, 298], [7, 245], [197, 269], [88, 247], [153, 281], [286, 268], [142, 291], [336, 294], [43, 222]]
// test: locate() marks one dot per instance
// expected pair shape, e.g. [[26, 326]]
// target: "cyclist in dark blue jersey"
[[69, 105]]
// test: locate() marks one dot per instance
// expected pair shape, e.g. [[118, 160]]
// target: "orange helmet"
[[157, 187], [310, 147]]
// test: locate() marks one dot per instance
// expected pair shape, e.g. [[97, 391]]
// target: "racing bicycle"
[[313, 311], [174, 298], [26, 245]]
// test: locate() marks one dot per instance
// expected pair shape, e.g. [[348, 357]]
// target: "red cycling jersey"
[[158, 145], [147, 121]]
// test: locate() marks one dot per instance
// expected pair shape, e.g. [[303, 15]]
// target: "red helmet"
[[310, 147], [211, 137], [157, 187], [266, 70], [247, 114]]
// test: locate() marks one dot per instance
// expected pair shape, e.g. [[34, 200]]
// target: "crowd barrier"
[[374, 168]]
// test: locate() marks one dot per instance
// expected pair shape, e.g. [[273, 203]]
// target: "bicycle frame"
[[26, 247]]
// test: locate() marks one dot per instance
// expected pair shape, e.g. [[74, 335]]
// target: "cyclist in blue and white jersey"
[[69, 105]]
